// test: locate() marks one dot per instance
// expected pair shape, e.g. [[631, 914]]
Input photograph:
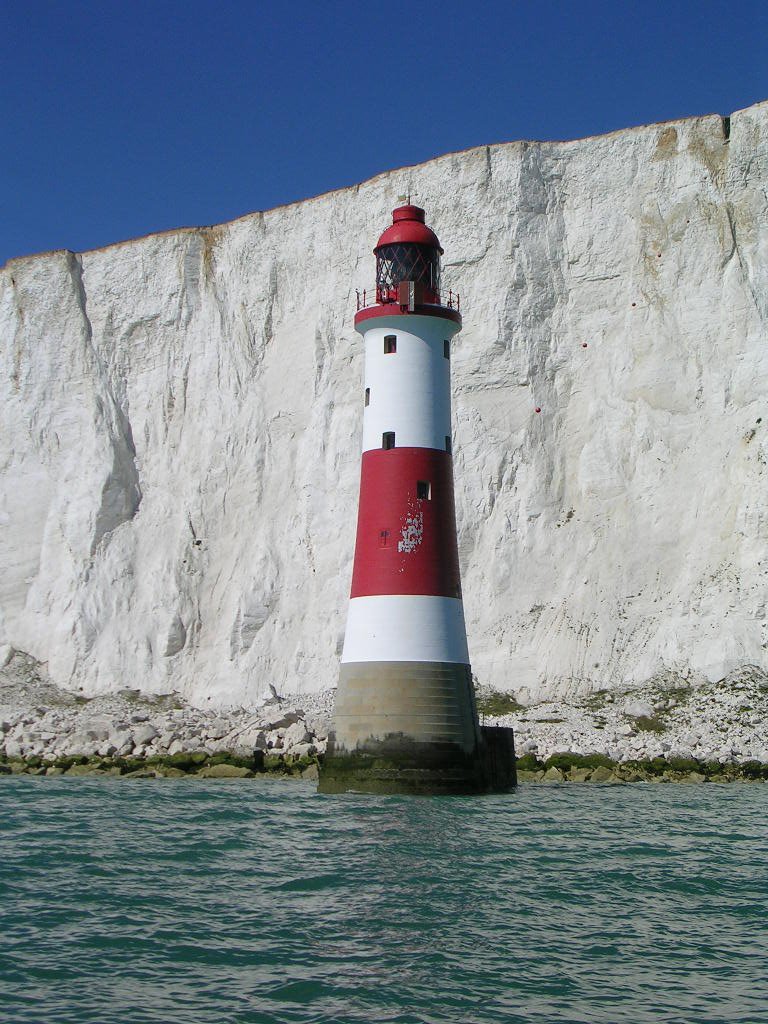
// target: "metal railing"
[[373, 297]]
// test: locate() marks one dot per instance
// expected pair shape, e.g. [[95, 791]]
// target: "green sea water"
[[260, 901]]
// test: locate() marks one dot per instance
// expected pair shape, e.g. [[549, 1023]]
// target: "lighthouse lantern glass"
[[407, 261]]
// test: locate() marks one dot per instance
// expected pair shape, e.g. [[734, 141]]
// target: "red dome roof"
[[408, 226]]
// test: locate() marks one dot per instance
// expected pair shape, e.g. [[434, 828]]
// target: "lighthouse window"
[[388, 440], [367, 396], [424, 490], [448, 443], [447, 349], [390, 344]]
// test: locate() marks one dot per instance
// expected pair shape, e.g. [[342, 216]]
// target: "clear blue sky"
[[119, 119]]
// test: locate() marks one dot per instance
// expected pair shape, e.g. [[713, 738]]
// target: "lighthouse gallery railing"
[[376, 297]]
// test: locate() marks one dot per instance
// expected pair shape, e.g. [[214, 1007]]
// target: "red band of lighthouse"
[[406, 527]]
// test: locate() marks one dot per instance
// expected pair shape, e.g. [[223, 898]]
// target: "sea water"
[[259, 901]]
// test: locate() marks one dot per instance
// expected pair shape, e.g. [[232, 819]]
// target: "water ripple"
[[263, 902]]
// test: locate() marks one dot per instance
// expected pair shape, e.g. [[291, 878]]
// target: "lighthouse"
[[405, 718]]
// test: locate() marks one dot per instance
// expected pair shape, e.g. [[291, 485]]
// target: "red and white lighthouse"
[[405, 716]]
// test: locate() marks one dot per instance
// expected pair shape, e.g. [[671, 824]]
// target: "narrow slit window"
[[390, 344], [447, 349], [424, 490], [383, 535], [448, 443], [367, 396], [388, 440]]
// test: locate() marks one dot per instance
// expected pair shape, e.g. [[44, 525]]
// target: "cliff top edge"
[[261, 214]]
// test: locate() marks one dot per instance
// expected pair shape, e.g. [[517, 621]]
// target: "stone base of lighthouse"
[[411, 727]]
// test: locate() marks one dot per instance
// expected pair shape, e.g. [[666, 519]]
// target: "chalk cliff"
[[180, 422]]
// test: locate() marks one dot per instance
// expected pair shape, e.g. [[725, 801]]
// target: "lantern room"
[[408, 257]]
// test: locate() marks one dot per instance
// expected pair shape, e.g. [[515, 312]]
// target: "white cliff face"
[[180, 426]]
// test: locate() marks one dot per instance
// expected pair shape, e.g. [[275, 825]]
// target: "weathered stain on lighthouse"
[[411, 532]]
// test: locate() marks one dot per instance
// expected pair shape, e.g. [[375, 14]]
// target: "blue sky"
[[119, 119]]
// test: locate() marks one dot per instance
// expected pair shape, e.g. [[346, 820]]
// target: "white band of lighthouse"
[[407, 381], [405, 628]]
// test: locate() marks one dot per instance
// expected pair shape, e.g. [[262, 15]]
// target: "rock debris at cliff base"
[[38, 720], [180, 419], [720, 724]]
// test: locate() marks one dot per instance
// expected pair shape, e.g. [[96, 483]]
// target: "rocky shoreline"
[[723, 723], [664, 732], [574, 768], [48, 731]]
